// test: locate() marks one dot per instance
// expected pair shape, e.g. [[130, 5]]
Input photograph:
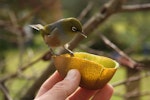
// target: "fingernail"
[[71, 74]]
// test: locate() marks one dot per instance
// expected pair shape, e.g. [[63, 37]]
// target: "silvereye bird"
[[60, 32]]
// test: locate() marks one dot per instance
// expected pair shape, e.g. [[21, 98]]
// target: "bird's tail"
[[37, 27]]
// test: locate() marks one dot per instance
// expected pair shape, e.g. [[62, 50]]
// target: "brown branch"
[[5, 91], [136, 94], [145, 64], [93, 51], [86, 10], [4, 23], [138, 7], [35, 10], [8, 38], [30, 93], [131, 63], [132, 94], [13, 75], [20, 38], [118, 94], [131, 79]]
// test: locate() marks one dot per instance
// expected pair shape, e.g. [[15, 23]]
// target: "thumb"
[[62, 89]]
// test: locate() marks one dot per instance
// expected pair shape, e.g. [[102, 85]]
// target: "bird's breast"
[[52, 41]]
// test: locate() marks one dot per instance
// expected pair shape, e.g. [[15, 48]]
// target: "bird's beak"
[[83, 34]]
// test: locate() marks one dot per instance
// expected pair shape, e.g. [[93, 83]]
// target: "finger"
[[82, 94], [48, 84], [104, 94], [61, 90]]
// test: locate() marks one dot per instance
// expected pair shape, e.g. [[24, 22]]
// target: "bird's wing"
[[37, 26], [53, 32]]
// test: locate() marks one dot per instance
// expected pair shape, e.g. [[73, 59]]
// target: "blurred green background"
[[20, 45]]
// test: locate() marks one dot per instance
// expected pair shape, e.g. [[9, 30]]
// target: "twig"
[[19, 33], [86, 10], [7, 38], [4, 23], [30, 93], [5, 91], [13, 75], [131, 79], [21, 90], [137, 7], [136, 94], [119, 94], [97, 52], [35, 10], [132, 63], [132, 94]]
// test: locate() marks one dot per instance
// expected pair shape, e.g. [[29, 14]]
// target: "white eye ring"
[[74, 29]]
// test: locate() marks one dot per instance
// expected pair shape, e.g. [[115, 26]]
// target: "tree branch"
[[86, 10], [5, 91], [131, 79], [136, 94], [131, 63], [13, 75], [138, 7], [34, 11]]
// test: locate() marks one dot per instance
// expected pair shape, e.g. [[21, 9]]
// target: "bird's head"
[[72, 26]]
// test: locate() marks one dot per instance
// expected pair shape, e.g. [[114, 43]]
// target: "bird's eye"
[[74, 29]]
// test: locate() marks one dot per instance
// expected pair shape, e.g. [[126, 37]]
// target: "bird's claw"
[[71, 53]]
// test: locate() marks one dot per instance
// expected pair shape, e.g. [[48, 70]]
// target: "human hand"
[[57, 88]]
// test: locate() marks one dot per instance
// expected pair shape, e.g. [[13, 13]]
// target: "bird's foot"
[[70, 52]]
